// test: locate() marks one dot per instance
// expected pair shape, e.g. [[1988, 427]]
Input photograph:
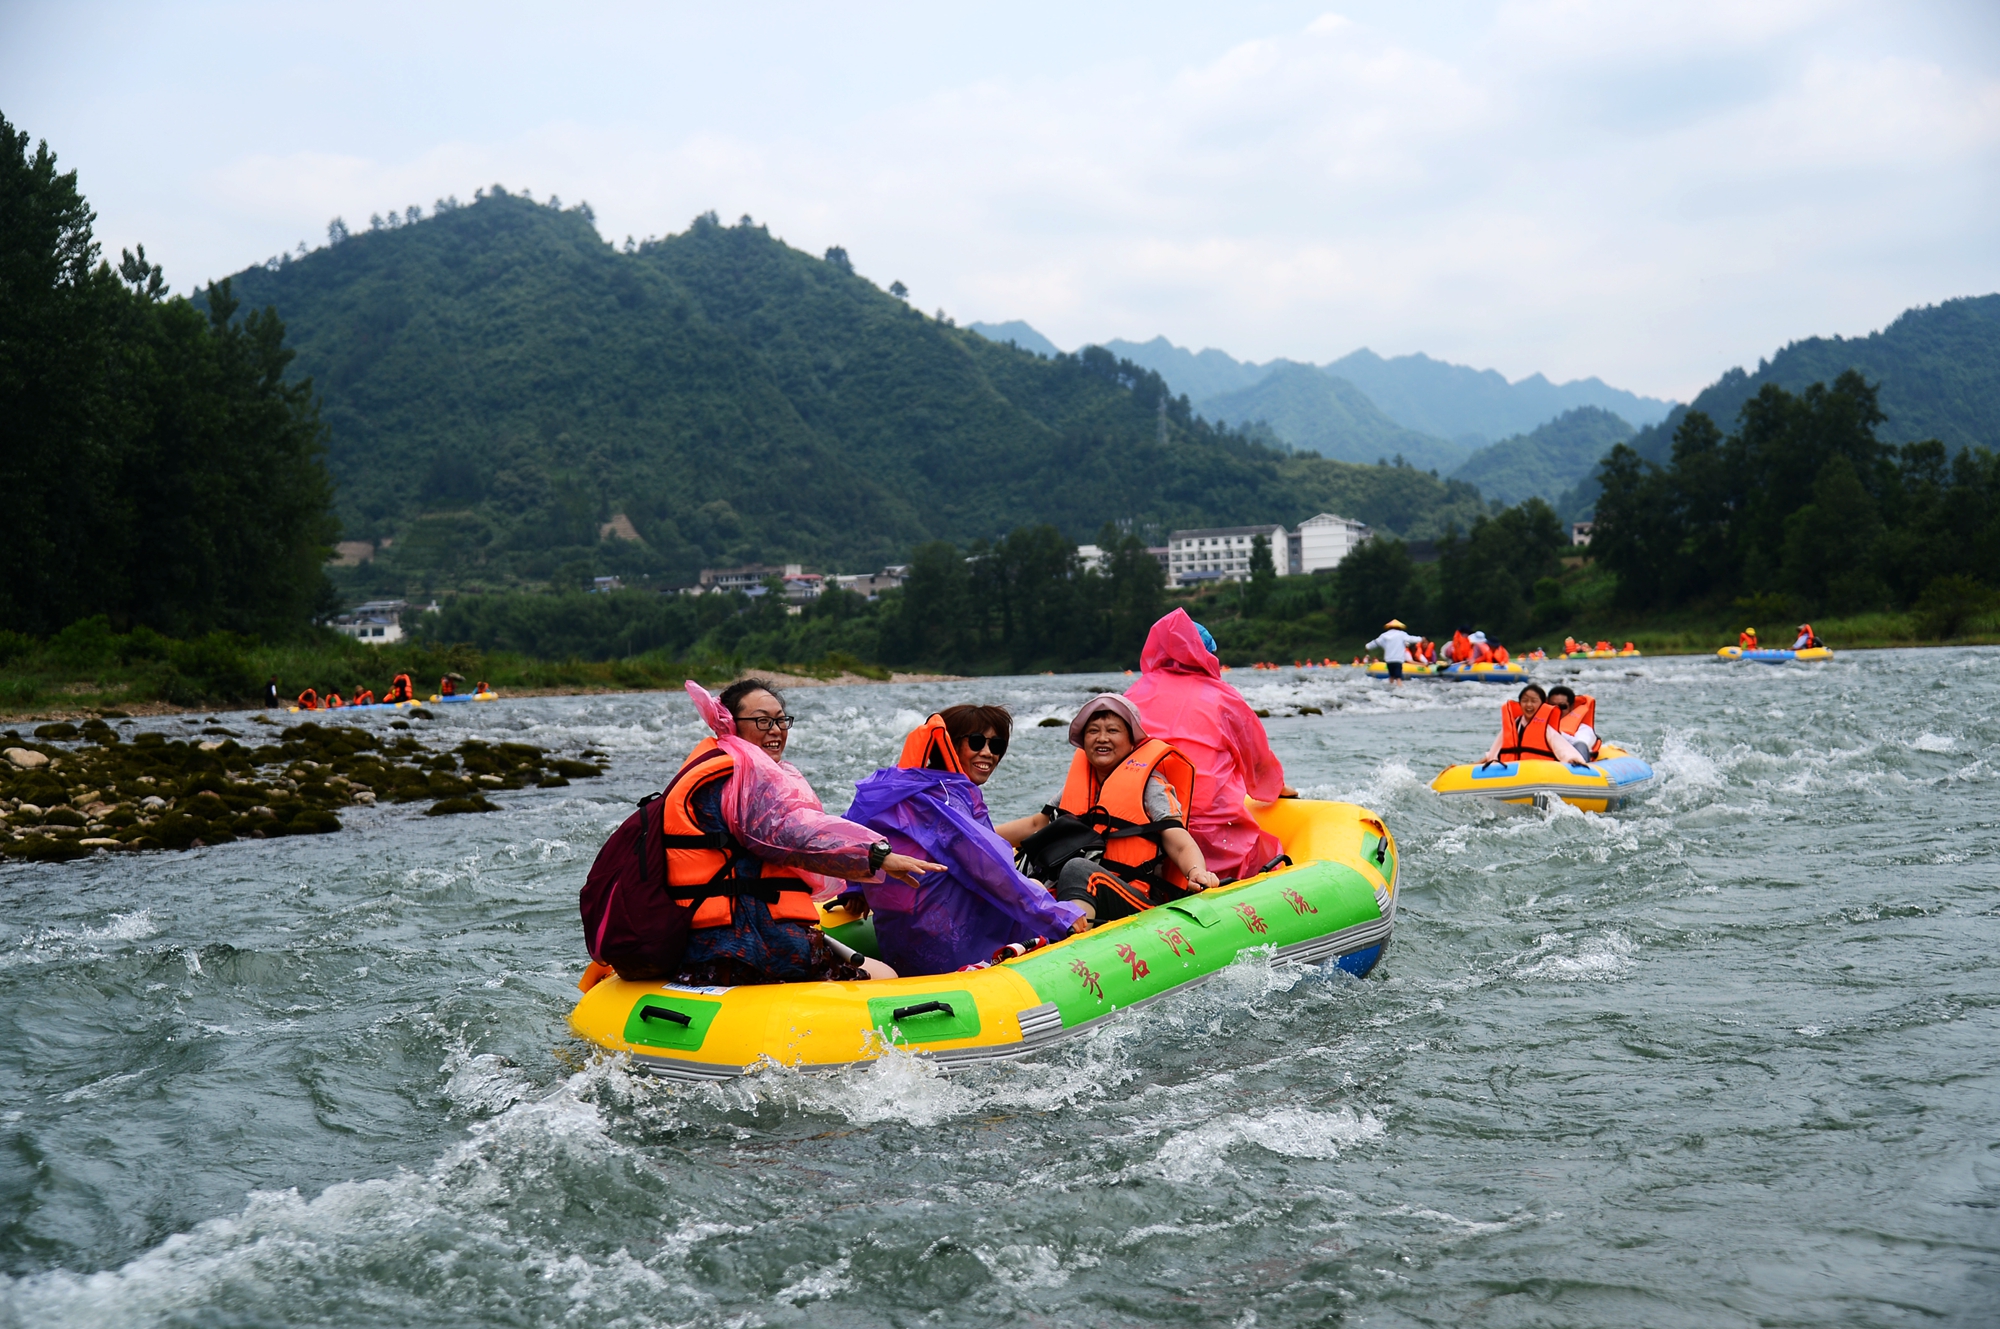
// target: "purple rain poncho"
[[963, 915]]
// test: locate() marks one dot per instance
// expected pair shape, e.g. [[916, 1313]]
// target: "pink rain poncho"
[[769, 807], [1181, 698]]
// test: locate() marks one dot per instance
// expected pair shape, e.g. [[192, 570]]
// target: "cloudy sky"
[[1646, 192]]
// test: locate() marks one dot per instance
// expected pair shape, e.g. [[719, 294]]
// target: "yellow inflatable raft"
[[1511, 672], [1611, 781], [1761, 656], [1411, 669], [1335, 901]]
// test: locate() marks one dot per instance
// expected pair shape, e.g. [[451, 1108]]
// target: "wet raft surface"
[[1728, 1058]]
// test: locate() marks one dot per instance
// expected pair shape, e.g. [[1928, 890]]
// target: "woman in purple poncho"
[[930, 806]]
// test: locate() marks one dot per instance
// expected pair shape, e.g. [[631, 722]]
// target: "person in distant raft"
[[1807, 638], [1528, 732], [309, 700], [271, 694], [400, 690], [1181, 698], [448, 686], [1747, 639], [1395, 644], [1115, 840]]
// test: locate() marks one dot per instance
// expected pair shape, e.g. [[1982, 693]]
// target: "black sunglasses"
[[981, 742]]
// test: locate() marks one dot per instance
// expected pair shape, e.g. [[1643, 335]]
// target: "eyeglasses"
[[764, 722], [984, 742]]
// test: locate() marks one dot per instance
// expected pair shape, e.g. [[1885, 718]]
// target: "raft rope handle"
[[902, 1013], [662, 1013]]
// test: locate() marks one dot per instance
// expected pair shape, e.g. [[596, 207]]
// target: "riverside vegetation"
[[71, 791]]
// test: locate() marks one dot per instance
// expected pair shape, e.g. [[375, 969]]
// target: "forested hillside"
[[159, 471], [1547, 462], [1936, 370], [499, 382], [1316, 412]]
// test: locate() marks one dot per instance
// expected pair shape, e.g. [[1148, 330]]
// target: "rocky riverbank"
[[72, 790]]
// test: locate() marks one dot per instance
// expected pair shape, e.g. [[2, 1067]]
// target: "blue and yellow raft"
[[1608, 783], [1762, 656], [1335, 901]]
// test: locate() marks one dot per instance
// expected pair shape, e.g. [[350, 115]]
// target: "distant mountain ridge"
[[1456, 403], [1315, 412]]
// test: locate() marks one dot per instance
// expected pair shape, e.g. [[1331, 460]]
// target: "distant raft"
[[1601, 655], [1511, 672], [1333, 899], [488, 695], [365, 706], [1608, 783], [1761, 656]]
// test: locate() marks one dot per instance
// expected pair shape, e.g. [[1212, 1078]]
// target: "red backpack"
[[629, 920]]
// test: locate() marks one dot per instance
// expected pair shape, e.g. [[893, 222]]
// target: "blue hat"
[[1207, 638]]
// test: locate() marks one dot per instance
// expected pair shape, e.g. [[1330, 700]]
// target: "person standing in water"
[[1181, 698], [1395, 644]]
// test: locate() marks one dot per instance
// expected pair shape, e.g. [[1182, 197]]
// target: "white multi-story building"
[[1221, 553], [378, 623], [1322, 541]]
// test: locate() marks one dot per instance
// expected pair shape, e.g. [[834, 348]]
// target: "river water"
[[1725, 1058]]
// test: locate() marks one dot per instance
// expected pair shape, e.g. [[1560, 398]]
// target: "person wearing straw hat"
[[1395, 644]]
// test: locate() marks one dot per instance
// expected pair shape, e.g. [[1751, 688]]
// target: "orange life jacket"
[[1603, 645], [1481, 652], [1812, 638], [309, 700], [400, 690], [1530, 737], [1134, 844], [1747, 639], [1461, 646], [1499, 655], [445, 688], [1581, 712], [706, 859], [480, 688], [929, 748], [362, 698], [333, 701]]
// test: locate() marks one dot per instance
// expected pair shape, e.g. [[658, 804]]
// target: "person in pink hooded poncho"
[[1181, 697]]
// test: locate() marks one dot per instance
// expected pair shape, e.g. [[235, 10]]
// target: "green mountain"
[[1937, 367], [499, 384], [1547, 461], [1315, 412]]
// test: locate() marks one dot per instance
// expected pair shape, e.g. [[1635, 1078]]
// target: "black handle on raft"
[[921, 1008], [662, 1013]]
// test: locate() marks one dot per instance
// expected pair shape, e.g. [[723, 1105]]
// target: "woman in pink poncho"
[[1181, 697]]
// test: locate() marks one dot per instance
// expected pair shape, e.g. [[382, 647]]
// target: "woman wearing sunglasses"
[[752, 878], [930, 805]]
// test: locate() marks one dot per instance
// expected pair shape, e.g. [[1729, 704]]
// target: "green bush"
[[1948, 604]]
